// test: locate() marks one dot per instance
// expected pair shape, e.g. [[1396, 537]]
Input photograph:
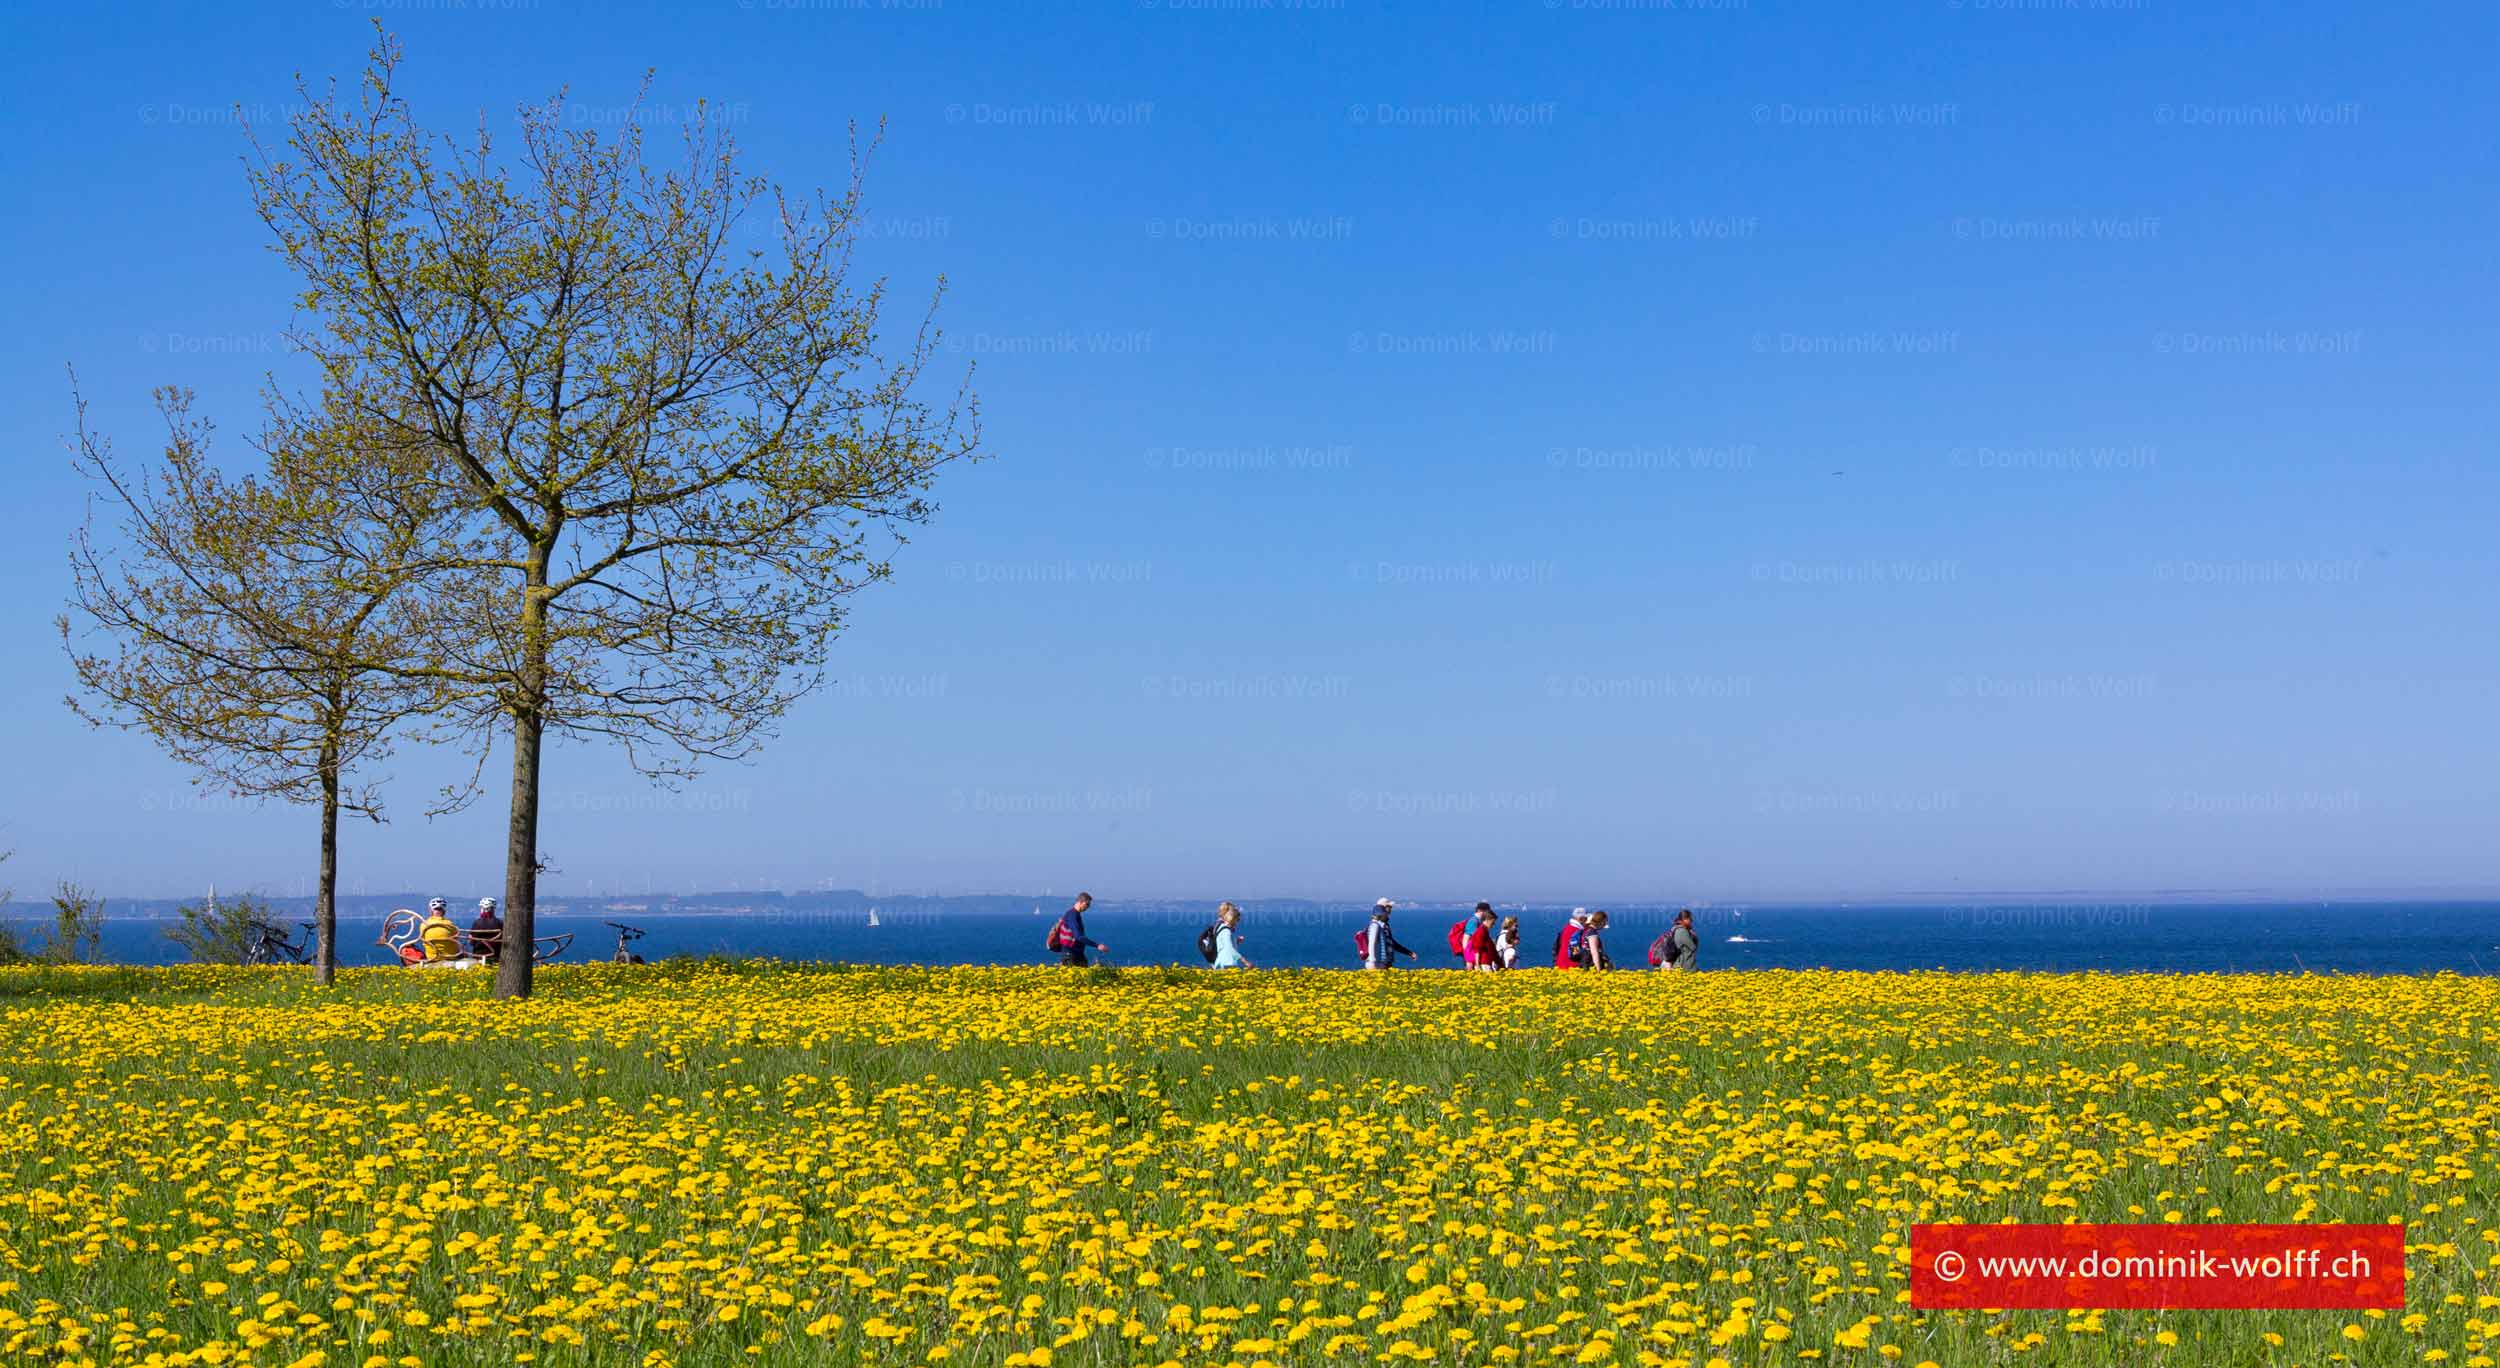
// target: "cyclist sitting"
[[440, 935], [486, 933]]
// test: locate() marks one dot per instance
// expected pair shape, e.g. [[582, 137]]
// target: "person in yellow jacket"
[[439, 934]]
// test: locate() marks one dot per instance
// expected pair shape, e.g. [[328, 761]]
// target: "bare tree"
[[242, 623], [658, 395]]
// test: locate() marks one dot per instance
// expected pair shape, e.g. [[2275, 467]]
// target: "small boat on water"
[[872, 918]]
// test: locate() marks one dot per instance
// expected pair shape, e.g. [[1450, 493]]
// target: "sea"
[[2111, 936]]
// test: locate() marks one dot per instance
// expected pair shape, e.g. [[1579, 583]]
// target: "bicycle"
[[268, 943], [626, 934]]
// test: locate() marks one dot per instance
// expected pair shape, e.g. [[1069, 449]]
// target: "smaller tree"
[[249, 625], [77, 926], [220, 932], [11, 950]]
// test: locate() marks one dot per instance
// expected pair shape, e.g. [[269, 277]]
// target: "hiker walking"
[[1592, 953], [1506, 944], [1228, 939], [1067, 937], [1680, 948], [1471, 938], [1375, 942]]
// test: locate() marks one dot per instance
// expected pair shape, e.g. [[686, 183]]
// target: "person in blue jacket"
[[1379, 944], [1073, 942]]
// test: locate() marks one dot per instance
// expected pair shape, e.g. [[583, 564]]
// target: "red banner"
[[2347, 1267]]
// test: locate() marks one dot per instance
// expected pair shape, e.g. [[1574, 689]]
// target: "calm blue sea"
[[2368, 938]]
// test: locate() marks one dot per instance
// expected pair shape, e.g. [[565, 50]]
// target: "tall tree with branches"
[[659, 394], [245, 624]]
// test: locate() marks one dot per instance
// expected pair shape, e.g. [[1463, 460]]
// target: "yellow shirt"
[[441, 937]]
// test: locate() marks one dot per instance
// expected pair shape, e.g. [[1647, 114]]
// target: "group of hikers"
[[1480, 940]]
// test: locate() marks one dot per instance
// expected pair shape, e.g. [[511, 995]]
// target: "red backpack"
[[1363, 945], [1057, 940], [1567, 947], [1658, 951], [1458, 939]]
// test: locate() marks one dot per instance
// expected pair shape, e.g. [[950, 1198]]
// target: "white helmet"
[[436, 905], [486, 904]]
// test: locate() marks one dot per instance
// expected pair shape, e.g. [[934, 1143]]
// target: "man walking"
[[1068, 937], [1378, 943]]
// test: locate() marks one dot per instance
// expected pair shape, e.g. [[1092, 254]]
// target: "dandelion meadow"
[[713, 1163]]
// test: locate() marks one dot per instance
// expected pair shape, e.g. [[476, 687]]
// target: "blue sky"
[[1565, 450]]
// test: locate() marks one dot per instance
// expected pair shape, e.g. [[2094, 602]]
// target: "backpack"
[[1363, 945], [1658, 951], [1458, 939], [1057, 941], [1206, 944], [1567, 947]]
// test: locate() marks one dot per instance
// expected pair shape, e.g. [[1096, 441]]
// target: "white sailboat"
[[872, 918]]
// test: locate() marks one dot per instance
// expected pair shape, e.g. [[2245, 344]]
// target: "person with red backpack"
[[1679, 949], [1471, 939], [1567, 940], [1067, 937]]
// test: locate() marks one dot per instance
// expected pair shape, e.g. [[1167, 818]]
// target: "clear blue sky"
[[1577, 449]]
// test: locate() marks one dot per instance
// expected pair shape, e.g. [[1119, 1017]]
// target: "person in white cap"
[[486, 933], [439, 934], [1567, 940], [1378, 944]]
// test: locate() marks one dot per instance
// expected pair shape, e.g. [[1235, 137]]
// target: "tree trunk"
[[325, 901], [520, 867], [520, 858]]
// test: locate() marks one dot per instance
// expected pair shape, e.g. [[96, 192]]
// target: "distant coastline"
[[812, 902]]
